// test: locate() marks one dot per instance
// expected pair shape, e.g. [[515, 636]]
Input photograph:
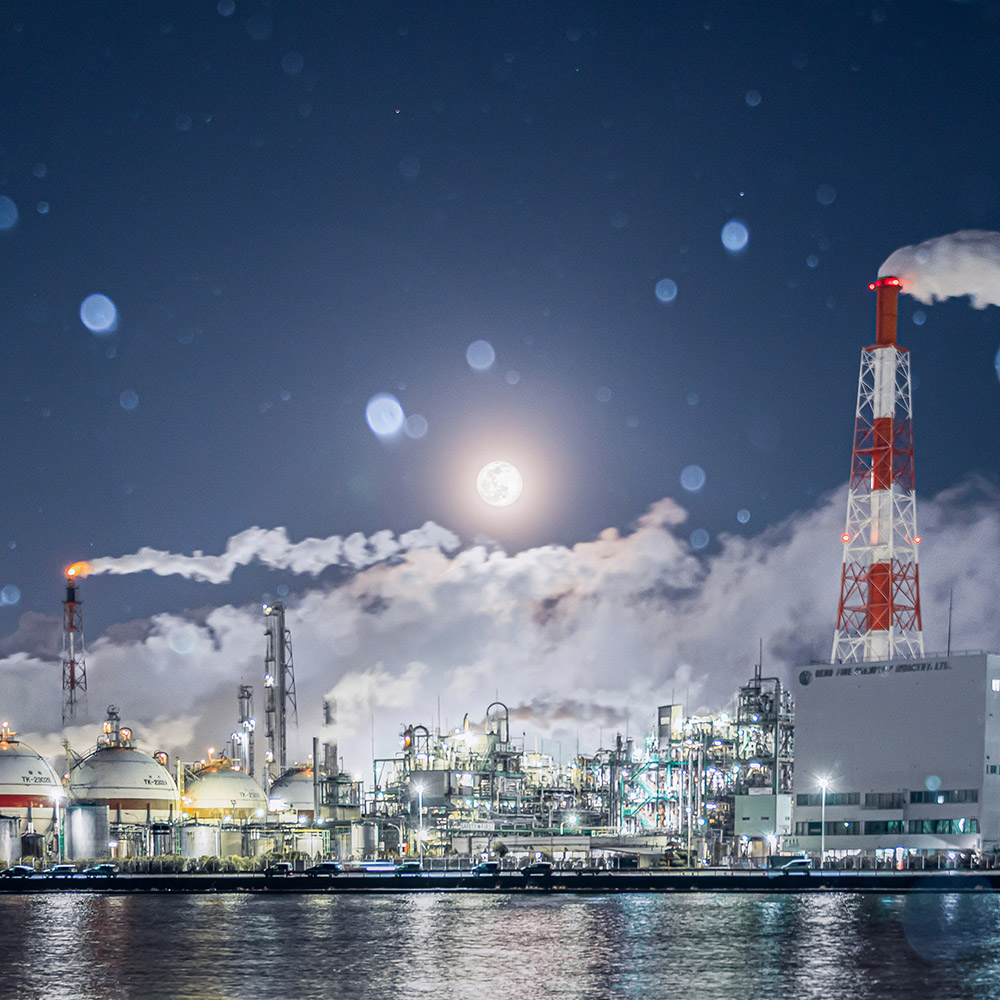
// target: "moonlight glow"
[[499, 483]]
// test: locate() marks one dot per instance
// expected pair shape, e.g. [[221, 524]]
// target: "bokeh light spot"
[[513, 377], [43, 208], [699, 538], [693, 478], [919, 318], [812, 260], [99, 314], [292, 63], [480, 355], [384, 414], [693, 399], [415, 426], [10, 595], [743, 516], [129, 399], [619, 220], [932, 783], [735, 236], [183, 639], [226, 7], [753, 98], [8, 213], [604, 394], [826, 194], [666, 290]]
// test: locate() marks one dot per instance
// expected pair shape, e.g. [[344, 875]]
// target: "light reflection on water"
[[520, 946]]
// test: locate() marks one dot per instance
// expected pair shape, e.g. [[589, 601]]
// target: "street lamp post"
[[823, 784]]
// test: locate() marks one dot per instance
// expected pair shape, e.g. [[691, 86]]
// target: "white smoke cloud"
[[573, 639], [272, 548], [962, 263]]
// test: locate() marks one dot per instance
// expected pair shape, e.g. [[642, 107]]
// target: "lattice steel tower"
[[74, 662], [879, 613]]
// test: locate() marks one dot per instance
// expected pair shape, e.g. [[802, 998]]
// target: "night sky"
[[295, 207]]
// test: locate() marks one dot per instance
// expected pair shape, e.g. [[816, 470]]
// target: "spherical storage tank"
[[134, 785], [27, 782], [217, 790], [293, 792]]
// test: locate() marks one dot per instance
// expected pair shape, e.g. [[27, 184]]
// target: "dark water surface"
[[730, 947]]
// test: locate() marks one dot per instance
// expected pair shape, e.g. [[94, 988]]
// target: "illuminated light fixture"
[[845, 537]]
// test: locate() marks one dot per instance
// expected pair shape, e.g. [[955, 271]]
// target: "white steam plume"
[[962, 263], [272, 548]]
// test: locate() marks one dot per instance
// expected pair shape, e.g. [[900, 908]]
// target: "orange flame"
[[78, 569]]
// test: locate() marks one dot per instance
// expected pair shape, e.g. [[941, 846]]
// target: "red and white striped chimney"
[[879, 613]]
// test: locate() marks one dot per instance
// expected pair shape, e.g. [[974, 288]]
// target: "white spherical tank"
[[28, 785], [134, 785], [293, 792], [216, 790]]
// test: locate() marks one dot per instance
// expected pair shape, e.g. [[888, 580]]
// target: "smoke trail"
[[962, 263], [272, 548]]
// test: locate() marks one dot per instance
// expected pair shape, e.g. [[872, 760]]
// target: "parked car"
[[104, 870], [18, 871], [536, 868], [57, 870], [409, 868], [797, 865], [487, 868], [278, 868], [325, 868]]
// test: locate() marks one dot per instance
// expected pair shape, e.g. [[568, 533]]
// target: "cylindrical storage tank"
[[231, 843], [10, 839], [199, 840], [161, 837], [87, 830], [216, 791], [29, 787], [310, 844]]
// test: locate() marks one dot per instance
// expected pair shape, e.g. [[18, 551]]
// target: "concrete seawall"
[[512, 882]]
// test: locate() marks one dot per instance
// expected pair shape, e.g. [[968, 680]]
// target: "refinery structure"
[[915, 775]]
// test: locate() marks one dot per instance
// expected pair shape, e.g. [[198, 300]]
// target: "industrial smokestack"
[[879, 613], [886, 309]]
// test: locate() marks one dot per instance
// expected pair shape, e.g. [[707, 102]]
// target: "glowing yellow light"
[[78, 569]]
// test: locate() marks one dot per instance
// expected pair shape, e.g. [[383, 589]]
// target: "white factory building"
[[908, 751]]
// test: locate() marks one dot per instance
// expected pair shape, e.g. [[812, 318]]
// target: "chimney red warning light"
[[879, 613]]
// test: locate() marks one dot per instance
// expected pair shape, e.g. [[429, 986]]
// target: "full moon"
[[499, 483]]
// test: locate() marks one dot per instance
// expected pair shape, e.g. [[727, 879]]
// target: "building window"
[[879, 826], [832, 799], [992, 769], [944, 826], [885, 800], [944, 796], [995, 683]]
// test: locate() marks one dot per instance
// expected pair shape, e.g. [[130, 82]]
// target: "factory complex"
[[882, 756]]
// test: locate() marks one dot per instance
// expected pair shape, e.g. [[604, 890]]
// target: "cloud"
[[962, 263], [574, 640]]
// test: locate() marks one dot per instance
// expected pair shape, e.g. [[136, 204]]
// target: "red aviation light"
[[845, 537], [884, 281]]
